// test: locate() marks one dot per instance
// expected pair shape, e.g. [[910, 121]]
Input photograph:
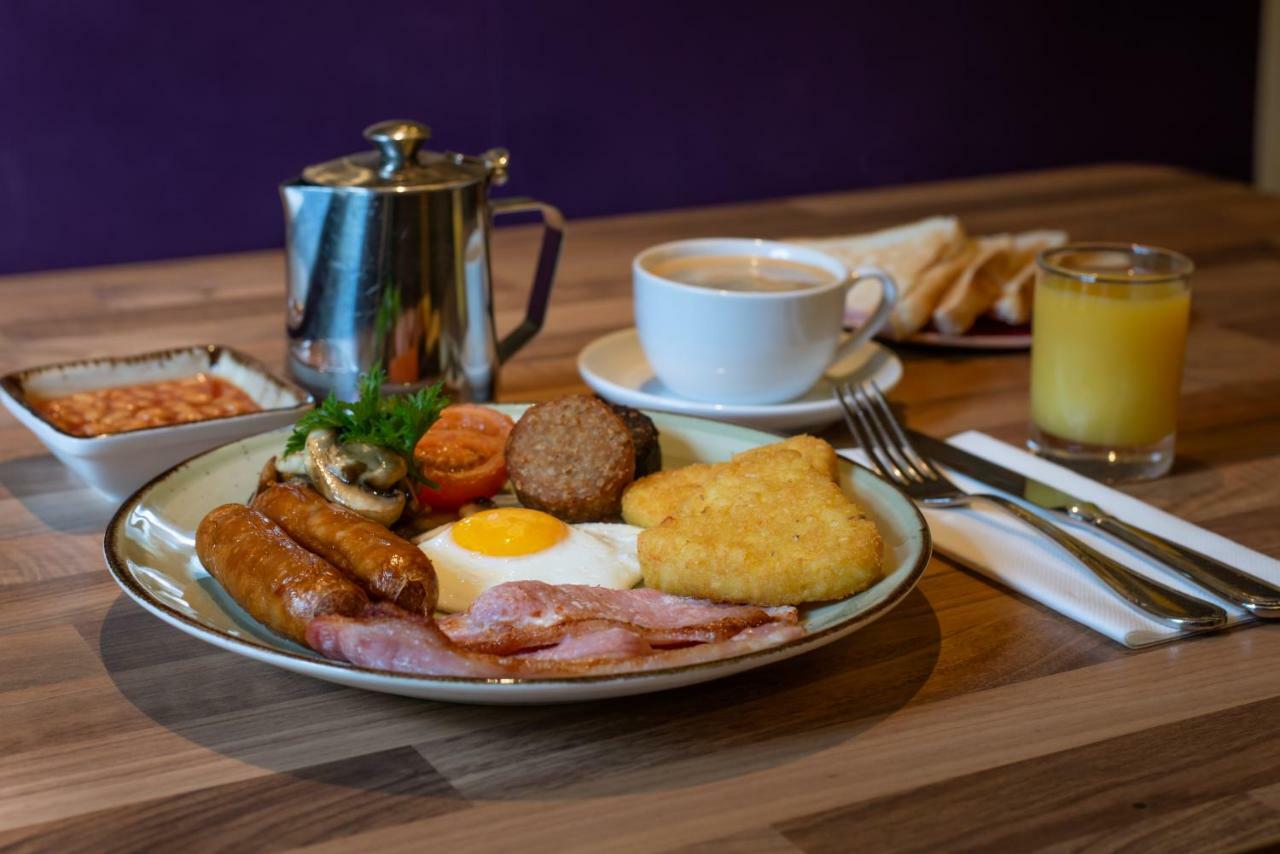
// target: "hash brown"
[[651, 499], [764, 529]]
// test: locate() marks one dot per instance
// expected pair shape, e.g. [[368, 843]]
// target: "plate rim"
[[261, 651], [702, 410]]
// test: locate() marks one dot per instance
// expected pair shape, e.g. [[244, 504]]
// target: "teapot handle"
[[543, 274]]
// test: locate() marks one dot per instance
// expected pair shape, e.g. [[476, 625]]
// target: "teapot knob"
[[398, 141], [497, 161]]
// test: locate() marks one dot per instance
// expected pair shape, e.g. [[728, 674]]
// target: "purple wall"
[[136, 130]]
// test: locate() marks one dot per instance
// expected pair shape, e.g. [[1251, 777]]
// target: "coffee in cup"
[[742, 321], [749, 273]]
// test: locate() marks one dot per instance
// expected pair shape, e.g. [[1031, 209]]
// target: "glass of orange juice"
[[1109, 330]]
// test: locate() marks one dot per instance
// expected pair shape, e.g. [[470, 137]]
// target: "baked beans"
[[132, 407]]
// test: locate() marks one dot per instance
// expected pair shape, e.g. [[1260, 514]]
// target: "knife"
[[1257, 596]]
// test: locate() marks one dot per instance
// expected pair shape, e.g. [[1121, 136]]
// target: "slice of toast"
[[977, 287], [914, 308], [904, 251], [1014, 303]]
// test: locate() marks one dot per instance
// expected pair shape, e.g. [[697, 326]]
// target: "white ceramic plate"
[[615, 367], [150, 552]]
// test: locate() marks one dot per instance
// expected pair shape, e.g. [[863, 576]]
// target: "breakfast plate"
[[149, 550], [615, 367]]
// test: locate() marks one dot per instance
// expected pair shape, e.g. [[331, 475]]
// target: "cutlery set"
[[909, 459]]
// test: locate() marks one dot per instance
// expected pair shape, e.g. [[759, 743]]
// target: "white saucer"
[[615, 367]]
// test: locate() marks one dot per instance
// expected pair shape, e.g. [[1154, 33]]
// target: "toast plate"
[[150, 551], [986, 334], [1017, 338]]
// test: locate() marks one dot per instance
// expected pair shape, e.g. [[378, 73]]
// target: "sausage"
[[571, 457], [387, 566], [279, 583], [644, 435]]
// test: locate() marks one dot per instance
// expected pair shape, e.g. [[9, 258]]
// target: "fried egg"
[[519, 544]]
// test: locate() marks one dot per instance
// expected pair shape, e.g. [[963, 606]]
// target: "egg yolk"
[[509, 531]]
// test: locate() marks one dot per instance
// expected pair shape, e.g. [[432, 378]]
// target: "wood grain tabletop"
[[966, 718]]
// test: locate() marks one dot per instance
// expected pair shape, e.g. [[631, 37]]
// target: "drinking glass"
[[1109, 330]]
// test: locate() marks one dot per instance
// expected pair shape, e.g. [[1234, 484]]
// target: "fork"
[[874, 427]]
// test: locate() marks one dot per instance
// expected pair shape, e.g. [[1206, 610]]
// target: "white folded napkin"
[[997, 545]]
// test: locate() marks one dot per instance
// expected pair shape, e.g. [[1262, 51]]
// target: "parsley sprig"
[[395, 422]]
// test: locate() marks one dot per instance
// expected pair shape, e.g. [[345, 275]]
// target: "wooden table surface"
[[967, 717]]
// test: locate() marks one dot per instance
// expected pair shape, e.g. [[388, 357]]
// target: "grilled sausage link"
[[386, 565], [279, 583]]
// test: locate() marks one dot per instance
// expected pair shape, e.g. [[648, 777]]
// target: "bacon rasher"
[[523, 615], [629, 637]]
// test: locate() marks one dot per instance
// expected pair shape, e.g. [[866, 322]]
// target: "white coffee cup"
[[734, 346]]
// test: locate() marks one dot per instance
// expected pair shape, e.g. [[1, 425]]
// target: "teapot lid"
[[397, 164]]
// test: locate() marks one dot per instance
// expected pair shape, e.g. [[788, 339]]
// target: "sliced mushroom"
[[336, 473], [371, 465]]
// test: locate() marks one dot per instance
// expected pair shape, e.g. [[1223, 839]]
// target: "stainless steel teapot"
[[388, 264]]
